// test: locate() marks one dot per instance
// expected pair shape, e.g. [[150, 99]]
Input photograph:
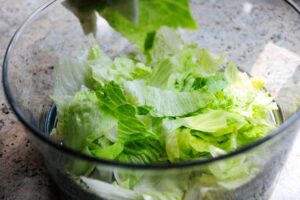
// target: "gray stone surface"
[[22, 173]]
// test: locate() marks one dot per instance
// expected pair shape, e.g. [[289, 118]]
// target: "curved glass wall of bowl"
[[260, 36]]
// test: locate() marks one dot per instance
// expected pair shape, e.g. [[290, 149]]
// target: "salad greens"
[[121, 112], [174, 102], [178, 103]]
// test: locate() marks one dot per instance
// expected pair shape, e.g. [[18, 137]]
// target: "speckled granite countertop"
[[22, 174]]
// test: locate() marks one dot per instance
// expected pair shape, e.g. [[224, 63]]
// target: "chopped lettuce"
[[183, 103], [164, 103]]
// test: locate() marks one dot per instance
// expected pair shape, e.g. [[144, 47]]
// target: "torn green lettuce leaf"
[[102, 69], [152, 15], [107, 190], [166, 43], [234, 172], [182, 145], [211, 121], [109, 152], [222, 177], [209, 63], [165, 102], [79, 119], [140, 145], [176, 65]]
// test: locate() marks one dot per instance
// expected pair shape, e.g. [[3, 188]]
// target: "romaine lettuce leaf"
[[211, 121], [103, 69], [178, 66], [141, 145], [165, 102], [80, 119], [152, 15]]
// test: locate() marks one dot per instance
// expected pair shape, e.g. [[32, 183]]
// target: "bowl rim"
[[74, 153]]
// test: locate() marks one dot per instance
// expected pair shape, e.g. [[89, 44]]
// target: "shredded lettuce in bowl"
[[174, 103]]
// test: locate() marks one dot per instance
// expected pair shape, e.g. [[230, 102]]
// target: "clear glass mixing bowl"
[[260, 36]]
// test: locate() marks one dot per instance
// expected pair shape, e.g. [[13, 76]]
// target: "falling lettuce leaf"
[[137, 20]]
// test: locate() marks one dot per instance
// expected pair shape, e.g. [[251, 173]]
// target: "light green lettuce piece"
[[167, 42], [211, 121], [215, 122], [174, 72], [172, 146], [165, 102], [80, 123], [109, 191], [81, 118], [68, 77], [211, 84], [207, 134], [95, 52], [110, 152], [148, 188], [167, 187], [141, 145], [209, 63], [234, 172], [102, 69], [181, 144], [221, 177], [176, 65], [231, 72]]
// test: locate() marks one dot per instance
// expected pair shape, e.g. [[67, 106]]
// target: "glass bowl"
[[260, 36]]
